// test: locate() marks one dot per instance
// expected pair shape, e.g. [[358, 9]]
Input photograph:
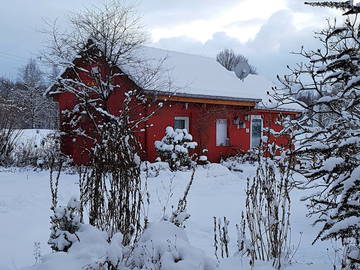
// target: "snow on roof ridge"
[[179, 52]]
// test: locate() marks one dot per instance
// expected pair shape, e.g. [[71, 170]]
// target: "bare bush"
[[112, 185], [8, 131], [267, 214], [179, 216], [221, 237]]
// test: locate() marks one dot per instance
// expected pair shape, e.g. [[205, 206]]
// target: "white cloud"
[[260, 29], [158, 13], [221, 19], [269, 50]]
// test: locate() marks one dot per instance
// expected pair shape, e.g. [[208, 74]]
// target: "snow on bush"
[[35, 148], [92, 246], [162, 246], [234, 163], [174, 148], [166, 246], [203, 160], [64, 224]]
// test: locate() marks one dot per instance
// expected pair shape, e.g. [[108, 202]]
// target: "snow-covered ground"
[[216, 191]]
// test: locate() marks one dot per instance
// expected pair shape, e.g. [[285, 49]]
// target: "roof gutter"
[[200, 96]]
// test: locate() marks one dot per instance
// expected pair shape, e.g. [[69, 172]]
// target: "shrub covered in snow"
[[64, 224], [203, 159], [166, 246], [234, 163], [162, 246], [174, 148], [38, 150]]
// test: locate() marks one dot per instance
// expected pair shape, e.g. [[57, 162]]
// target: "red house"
[[225, 115]]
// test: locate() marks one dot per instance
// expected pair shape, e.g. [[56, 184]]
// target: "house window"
[[181, 123], [221, 132], [95, 71], [256, 130]]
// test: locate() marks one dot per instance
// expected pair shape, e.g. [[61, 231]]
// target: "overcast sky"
[[265, 31]]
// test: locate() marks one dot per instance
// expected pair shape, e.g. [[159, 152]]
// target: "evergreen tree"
[[329, 132], [64, 224], [174, 148], [347, 6]]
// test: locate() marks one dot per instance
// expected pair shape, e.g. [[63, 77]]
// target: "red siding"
[[202, 126]]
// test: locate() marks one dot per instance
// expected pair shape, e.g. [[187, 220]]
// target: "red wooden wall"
[[202, 125]]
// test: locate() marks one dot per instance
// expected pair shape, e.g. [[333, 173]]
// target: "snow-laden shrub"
[[166, 246], [162, 246], [87, 253], [234, 163], [38, 155], [203, 160], [64, 224], [174, 148]]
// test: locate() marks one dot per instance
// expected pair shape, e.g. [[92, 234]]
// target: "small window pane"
[[221, 132], [256, 130], [179, 124]]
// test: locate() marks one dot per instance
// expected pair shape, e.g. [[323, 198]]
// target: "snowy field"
[[216, 191]]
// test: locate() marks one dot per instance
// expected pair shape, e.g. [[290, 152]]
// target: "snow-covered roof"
[[196, 76], [199, 75]]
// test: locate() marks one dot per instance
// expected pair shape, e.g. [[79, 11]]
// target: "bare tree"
[[31, 74], [6, 86], [29, 95], [229, 60], [106, 38]]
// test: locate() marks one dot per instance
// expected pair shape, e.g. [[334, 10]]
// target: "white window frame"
[[253, 117], [185, 118], [227, 134]]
